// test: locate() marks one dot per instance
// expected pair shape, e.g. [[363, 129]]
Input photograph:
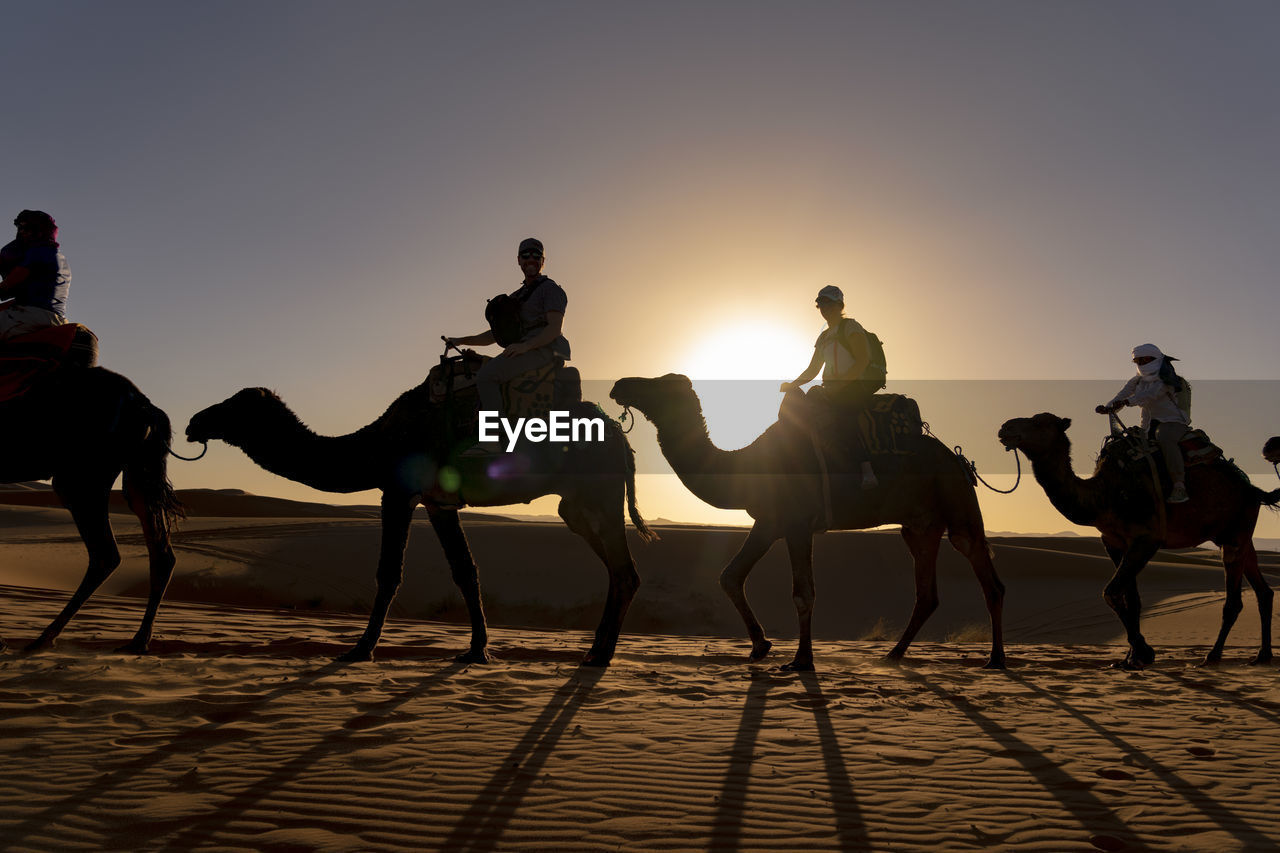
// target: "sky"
[[305, 196]]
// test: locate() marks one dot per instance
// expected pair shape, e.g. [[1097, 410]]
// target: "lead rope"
[[626, 418], [190, 458], [971, 468]]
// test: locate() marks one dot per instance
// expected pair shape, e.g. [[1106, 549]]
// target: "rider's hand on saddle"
[[1103, 410]]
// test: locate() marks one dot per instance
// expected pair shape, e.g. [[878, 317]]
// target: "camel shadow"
[[1218, 692], [1215, 811], [726, 827], [190, 742], [481, 827], [1094, 816], [197, 833]]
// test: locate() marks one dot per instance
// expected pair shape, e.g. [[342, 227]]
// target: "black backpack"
[[503, 315]]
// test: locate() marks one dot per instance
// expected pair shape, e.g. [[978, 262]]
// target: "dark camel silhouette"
[[1271, 450], [775, 479], [404, 454], [1126, 509], [82, 427]]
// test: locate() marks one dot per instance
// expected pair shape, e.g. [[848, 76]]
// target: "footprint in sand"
[[1112, 773], [1202, 751]]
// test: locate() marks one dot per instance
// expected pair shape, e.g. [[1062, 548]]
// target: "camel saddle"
[[891, 424], [452, 383], [1132, 447], [25, 359]]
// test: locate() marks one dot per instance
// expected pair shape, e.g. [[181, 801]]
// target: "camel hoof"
[[1127, 664], [760, 651], [1211, 660], [996, 663], [797, 666], [893, 658], [358, 654], [594, 658], [1260, 658], [475, 656], [37, 646], [133, 647]]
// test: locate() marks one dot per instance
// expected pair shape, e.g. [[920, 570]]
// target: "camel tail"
[[146, 472], [646, 532], [1269, 499]]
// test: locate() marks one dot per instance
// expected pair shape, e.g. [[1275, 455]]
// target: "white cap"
[[830, 293]]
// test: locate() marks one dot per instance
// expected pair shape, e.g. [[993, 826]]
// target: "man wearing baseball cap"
[[542, 305], [850, 373]]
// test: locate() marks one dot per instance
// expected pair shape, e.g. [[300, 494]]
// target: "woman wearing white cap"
[[1154, 389], [850, 374]]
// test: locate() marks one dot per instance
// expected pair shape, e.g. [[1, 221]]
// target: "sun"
[[749, 350], [736, 369]]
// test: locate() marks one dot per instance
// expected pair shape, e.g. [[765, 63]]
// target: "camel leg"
[[1233, 566], [975, 550], [1262, 591], [397, 513], [161, 563], [800, 549], [1121, 595], [733, 581], [88, 507], [923, 544], [606, 533], [466, 577]]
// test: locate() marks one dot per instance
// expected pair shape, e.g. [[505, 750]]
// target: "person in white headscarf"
[[1153, 390]]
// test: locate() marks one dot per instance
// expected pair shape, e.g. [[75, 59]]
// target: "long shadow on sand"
[[192, 741], [1253, 706], [482, 826], [1104, 827], [1218, 812], [197, 833], [726, 828]]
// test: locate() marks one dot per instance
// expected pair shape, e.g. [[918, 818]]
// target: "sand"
[[239, 732]]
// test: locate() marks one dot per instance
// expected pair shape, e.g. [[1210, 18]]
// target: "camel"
[[82, 427], [1271, 450], [1126, 509], [775, 479], [404, 454]]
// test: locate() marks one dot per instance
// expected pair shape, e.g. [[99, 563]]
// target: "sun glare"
[[747, 350], [754, 357]]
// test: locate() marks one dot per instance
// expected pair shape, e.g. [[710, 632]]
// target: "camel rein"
[[971, 468], [190, 458], [626, 418]]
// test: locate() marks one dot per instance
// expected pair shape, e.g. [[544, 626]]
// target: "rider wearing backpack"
[[1165, 399], [853, 369], [541, 305]]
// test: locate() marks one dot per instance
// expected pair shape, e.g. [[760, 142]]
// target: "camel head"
[[1035, 436], [655, 397], [228, 419], [1271, 450]]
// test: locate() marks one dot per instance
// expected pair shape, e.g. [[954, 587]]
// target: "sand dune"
[[240, 733]]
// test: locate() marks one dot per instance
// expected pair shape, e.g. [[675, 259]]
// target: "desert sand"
[[239, 732]]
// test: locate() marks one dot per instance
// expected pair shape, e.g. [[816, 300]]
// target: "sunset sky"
[[307, 195]]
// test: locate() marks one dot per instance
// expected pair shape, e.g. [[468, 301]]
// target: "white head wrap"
[[1151, 368]]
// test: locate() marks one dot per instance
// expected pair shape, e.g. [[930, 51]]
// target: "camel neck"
[[712, 474], [284, 446], [1078, 499]]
